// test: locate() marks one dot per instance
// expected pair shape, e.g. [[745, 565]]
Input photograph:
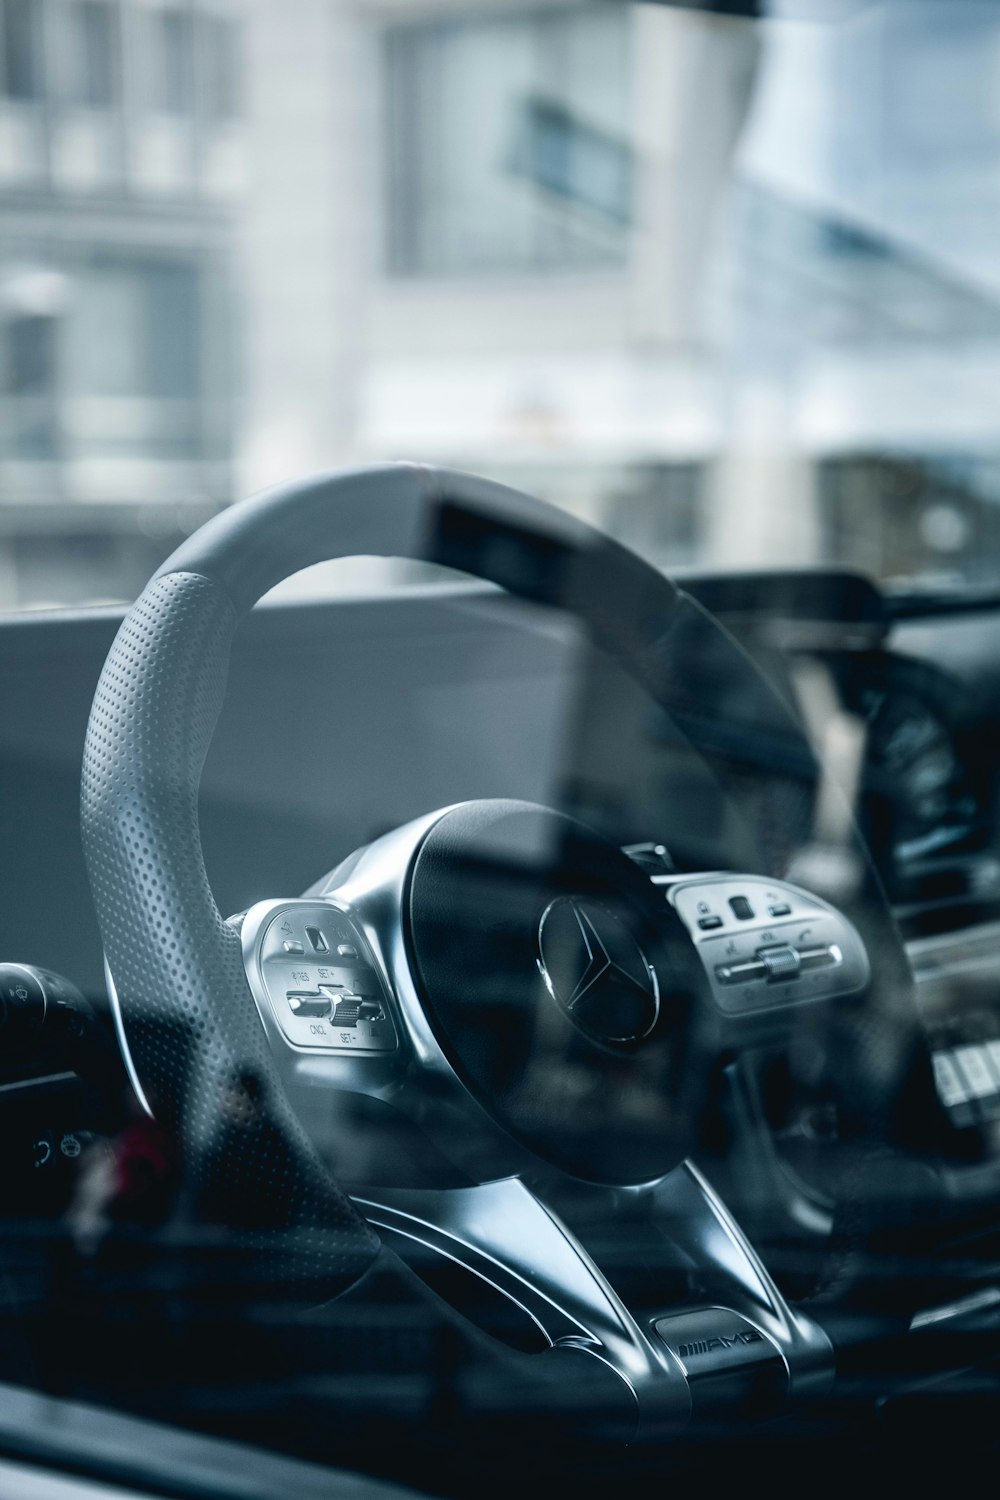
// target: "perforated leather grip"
[[192, 1030]]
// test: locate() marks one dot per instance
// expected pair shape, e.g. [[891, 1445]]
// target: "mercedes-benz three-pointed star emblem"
[[596, 972]]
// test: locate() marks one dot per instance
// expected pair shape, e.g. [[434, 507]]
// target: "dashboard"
[[347, 717]]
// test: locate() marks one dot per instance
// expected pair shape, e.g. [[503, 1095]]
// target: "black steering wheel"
[[455, 968]]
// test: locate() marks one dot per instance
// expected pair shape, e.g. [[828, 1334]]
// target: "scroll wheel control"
[[782, 962], [349, 1008]]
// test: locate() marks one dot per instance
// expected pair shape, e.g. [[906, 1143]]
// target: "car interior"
[[529, 1019], [746, 1192]]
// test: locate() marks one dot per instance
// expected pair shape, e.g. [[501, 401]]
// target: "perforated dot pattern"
[[190, 1021]]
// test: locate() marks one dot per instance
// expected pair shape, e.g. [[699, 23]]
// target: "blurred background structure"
[[731, 290]]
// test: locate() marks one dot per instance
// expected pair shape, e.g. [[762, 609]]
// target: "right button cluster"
[[766, 943]]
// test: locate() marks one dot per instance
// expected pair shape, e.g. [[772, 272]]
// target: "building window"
[[21, 61], [103, 360], [92, 56], [221, 67], [133, 330], [170, 61], [509, 142], [29, 361]]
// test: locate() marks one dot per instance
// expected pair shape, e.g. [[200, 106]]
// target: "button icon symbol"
[[70, 1146], [21, 992]]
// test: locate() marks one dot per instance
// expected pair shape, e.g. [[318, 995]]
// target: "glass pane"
[[105, 353], [92, 60], [31, 373], [31, 355], [220, 45], [171, 330], [170, 61], [505, 156], [22, 72], [132, 359]]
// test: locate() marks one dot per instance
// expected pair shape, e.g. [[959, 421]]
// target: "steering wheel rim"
[[175, 964]]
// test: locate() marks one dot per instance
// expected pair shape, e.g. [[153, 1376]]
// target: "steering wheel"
[[459, 970]]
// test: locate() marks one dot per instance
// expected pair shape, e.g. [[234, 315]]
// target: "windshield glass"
[[728, 287], [519, 1024]]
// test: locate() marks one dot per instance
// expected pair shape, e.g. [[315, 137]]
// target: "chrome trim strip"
[[506, 1235], [515, 1238], [119, 1020], [517, 1243], [699, 1223], [962, 1307]]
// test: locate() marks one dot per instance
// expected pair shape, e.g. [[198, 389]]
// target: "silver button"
[[308, 1003], [741, 973], [781, 962], [820, 958], [292, 946]]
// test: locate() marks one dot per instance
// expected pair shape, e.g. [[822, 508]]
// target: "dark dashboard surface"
[[346, 717]]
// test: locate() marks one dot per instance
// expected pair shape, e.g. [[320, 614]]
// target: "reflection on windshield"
[[728, 288]]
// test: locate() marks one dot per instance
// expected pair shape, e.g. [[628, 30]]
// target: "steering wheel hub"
[[560, 987], [596, 972]]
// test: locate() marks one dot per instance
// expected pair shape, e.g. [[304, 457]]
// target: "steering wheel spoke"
[[737, 1345]]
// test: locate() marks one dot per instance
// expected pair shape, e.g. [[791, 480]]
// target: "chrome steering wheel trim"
[[739, 1343]]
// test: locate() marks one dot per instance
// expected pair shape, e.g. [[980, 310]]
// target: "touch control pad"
[[321, 981], [765, 943]]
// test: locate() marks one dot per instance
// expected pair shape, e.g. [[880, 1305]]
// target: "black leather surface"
[[602, 1110]]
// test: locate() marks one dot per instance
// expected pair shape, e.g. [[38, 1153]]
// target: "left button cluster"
[[321, 981]]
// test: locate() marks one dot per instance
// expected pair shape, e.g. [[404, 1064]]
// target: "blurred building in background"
[[731, 290], [120, 159]]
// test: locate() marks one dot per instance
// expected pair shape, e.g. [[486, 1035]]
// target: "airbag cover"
[[561, 987]]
